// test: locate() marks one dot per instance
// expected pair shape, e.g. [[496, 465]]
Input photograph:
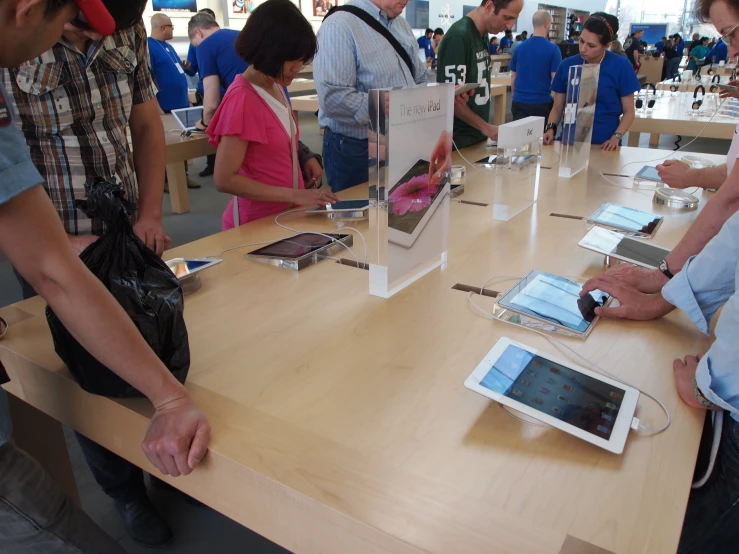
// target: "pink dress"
[[245, 115]]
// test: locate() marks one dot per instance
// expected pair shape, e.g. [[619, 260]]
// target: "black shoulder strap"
[[372, 22]]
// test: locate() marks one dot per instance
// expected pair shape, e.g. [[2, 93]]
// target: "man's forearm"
[[709, 177], [466, 114], [706, 226], [149, 161]]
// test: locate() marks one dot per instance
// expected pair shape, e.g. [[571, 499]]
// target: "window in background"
[[417, 14]]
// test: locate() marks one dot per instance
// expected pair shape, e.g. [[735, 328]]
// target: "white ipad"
[[343, 206], [623, 248], [648, 173], [571, 398], [188, 117], [412, 202], [186, 267], [556, 301], [626, 220]]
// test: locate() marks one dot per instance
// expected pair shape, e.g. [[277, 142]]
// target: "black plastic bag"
[[143, 285]]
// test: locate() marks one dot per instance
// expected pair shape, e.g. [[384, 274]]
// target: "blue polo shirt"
[[505, 42], [493, 48], [217, 56], [534, 61], [718, 53], [660, 47], [17, 175], [425, 43], [171, 77], [617, 79]]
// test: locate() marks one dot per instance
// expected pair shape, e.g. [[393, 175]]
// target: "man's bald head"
[[541, 18], [161, 27]]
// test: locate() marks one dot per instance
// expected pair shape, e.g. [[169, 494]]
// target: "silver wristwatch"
[[666, 270], [619, 136]]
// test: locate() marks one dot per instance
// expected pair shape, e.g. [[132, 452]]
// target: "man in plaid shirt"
[[74, 105]]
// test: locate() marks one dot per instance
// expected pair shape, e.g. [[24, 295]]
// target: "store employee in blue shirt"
[[614, 108], [718, 53], [533, 66], [507, 41], [165, 62], [218, 62], [425, 43]]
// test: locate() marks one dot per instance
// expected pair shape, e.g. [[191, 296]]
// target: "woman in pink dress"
[[259, 159]]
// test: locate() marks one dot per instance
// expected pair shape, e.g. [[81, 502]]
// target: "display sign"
[[410, 149], [175, 5], [579, 115]]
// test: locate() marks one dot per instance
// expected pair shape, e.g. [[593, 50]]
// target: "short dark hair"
[[508, 32], [256, 42], [200, 21], [438, 31], [494, 38], [525, 33], [208, 11], [428, 31], [125, 14], [498, 4], [664, 38], [704, 39], [604, 25]]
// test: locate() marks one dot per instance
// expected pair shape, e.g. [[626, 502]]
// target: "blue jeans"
[[346, 160], [712, 519]]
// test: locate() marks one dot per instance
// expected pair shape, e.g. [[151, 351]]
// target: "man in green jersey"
[[464, 58]]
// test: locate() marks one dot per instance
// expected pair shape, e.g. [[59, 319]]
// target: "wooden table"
[[340, 420], [499, 94], [501, 79], [504, 60], [669, 118], [301, 85], [178, 150]]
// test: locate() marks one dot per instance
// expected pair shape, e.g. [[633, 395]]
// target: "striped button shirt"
[[353, 59], [73, 109]]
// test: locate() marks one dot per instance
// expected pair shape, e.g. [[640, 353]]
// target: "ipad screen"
[[411, 198], [556, 390], [629, 219], [554, 299], [297, 246], [623, 247], [189, 117], [650, 173]]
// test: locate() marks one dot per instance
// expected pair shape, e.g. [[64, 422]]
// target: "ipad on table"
[[571, 398], [343, 206], [648, 173], [556, 301], [188, 117], [623, 248], [300, 251], [411, 203], [626, 220]]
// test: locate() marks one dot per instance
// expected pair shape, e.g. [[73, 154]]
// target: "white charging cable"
[[593, 365]]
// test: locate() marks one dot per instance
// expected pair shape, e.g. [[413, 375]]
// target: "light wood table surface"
[[669, 117], [340, 421], [178, 150], [307, 103], [504, 59], [499, 94], [301, 85], [501, 79]]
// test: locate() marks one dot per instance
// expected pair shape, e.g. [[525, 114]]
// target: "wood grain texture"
[[341, 423]]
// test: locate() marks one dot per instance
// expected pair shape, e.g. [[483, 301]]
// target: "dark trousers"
[[36, 517], [711, 523], [346, 160], [119, 478], [520, 111]]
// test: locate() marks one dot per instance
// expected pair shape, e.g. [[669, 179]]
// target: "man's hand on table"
[[676, 173], [177, 438], [648, 281], [80, 242], [549, 137], [684, 373], [634, 304], [151, 232], [611, 145]]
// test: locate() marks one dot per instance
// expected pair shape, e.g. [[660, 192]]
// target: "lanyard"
[[175, 60]]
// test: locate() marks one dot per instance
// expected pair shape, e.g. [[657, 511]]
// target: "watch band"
[[619, 136], [666, 270], [702, 399], [551, 125]]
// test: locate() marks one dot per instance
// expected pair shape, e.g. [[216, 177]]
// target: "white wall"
[[454, 8]]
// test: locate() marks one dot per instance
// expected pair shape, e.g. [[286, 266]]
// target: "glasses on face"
[[170, 25], [82, 25], [729, 35]]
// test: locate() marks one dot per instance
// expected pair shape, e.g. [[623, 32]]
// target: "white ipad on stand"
[[188, 117], [571, 398]]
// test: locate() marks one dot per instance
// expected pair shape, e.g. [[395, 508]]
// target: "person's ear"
[[27, 10]]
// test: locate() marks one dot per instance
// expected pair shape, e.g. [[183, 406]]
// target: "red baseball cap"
[[97, 16]]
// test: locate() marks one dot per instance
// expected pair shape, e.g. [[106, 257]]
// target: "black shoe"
[[207, 172], [143, 523]]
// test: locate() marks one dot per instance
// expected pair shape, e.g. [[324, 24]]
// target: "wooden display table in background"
[[178, 150], [504, 60], [670, 118], [651, 68], [340, 420]]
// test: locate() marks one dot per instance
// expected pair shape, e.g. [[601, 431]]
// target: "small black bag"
[[140, 281]]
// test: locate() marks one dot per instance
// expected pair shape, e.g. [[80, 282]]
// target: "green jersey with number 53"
[[464, 58]]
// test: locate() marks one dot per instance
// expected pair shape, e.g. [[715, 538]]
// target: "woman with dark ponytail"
[[614, 108]]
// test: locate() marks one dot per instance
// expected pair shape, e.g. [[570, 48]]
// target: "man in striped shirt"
[[353, 59], [75, 104]]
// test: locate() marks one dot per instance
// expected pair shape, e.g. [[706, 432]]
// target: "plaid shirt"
[[73, 109]]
